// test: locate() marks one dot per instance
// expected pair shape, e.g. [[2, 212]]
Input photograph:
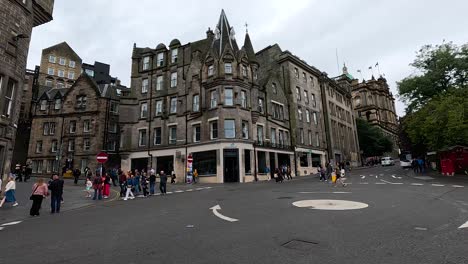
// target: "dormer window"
[[58, 104], [146, 63], [228, 68], [160, 59], [210, 70], [174, 54], [43, 105], [81, 101]]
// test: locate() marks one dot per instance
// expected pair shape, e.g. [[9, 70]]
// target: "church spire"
[[224, 35], [249, 48]]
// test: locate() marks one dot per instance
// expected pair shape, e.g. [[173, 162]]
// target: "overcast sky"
[[363, 32]]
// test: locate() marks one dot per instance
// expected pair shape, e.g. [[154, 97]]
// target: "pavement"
[[400, 218]]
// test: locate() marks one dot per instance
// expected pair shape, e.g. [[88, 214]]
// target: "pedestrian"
[[329, 170], [17, 172], [162, 182], [144, 184], [322, 172], [97, 186], [136, 180], [113, 175], [288, 172], [279, 175], [152, 181], [10, 191], [89, 185], [129, 187], [56, 192], [173, 177], [106, 185], [39, 192], [76, 175], [28, 172], [195, 176], [122, 183], [339, 178]]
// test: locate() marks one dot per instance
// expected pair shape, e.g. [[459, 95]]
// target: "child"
[[89, 185]]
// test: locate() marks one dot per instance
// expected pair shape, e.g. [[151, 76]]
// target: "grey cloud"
[[364, 32]]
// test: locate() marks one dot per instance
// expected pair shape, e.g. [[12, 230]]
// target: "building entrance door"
[[231, 165], [272, 164]]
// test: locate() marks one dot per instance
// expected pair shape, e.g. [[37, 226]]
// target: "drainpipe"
[[150, 110]]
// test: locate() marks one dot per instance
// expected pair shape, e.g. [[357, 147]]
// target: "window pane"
[[228, 94], [229, 129]]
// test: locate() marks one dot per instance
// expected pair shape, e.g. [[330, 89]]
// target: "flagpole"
[[337, 62], [378, 68]]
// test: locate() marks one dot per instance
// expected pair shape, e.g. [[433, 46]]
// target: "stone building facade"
[[72, 125], [60, 66], [18, 19], [204, 98], [340, 125], [301, 87], [374, 102], [240, 114]]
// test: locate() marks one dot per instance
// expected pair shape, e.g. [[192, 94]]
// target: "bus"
[[405, 159]]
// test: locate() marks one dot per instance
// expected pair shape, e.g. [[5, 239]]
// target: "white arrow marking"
[[438, 185], [12, 223], [417, 184], [465, 225], [457, 186], [215, 212], [393, 176], [363, 176]]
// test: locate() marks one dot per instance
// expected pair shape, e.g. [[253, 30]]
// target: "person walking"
[[122, 183], [288, 172], [89, 185], [144, 184], [173, 177], [76, 175], [107, 184], [339, 178], [162, 182], [322, 173], [113, 175], [136, 182], [10, 191], [56, 191], [329, 170], [129, 183], [97, 186], [195, 176], [152, 181], [39, 192], [17, 172]]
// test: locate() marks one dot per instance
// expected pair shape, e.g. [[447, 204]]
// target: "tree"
[[371, 140], [442, 122], [439, 69]]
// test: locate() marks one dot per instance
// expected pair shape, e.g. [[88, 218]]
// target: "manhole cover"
[[285, 197], [301, 245]]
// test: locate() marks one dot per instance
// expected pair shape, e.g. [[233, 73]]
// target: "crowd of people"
[[335, 175]]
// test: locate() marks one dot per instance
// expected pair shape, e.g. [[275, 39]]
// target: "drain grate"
[[299, 244], [284, 197]]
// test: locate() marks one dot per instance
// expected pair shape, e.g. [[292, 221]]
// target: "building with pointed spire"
[[240, 115], [205, 99]]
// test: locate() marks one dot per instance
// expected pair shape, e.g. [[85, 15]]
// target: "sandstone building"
[[18, 19], [240, 114], [374, 102]]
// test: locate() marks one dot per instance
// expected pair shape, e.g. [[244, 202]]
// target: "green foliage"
[[371, 140], [440, 69], [442, 122]]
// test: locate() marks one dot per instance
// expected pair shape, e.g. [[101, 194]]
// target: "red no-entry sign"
[[102, 157], [190, 158]]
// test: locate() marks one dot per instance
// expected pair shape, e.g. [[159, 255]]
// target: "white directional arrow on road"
[[215, 212], [465, 225]]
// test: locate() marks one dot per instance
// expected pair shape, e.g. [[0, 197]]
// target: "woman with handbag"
[[40, 191]]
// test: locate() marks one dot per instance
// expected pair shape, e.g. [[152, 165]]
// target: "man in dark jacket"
[[76, 175], [56, 190], [163, 181]]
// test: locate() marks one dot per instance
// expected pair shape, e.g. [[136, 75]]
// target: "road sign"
[[190, 158], [102, 157]]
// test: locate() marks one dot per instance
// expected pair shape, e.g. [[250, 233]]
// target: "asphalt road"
[[408, 220]]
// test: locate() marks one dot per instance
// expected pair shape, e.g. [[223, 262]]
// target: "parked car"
[[387, 161], [405, 163]]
